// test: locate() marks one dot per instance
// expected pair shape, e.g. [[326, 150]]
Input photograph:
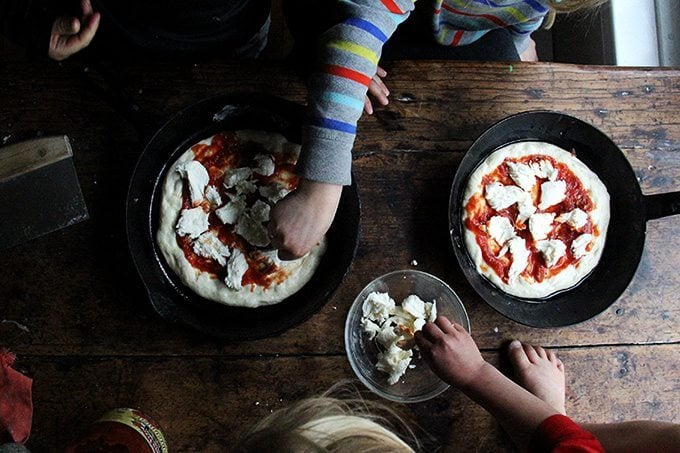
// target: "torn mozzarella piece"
[[580, 244], [552, 250], [234, 176], [500, 229], [522, 174], [394, 361], [253, 232], [540, 225], [371, 328], [500, 196], [197, 177], [576, 218], [213, 196], [378, 306], [545, 170], [520, 257], [387, 335], [208, 245], [265, 165], [236, 268], [192, 222], [552, 192], [273, 192], [414, 306], [431, 310], [525, 206], [230, 212], [260, 211]]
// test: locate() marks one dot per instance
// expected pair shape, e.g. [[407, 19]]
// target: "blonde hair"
[[330, 423], [568, 6]]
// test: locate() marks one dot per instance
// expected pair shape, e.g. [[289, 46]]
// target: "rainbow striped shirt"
[[350, 52]]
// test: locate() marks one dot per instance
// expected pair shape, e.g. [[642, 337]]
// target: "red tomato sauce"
[[225, 152], [479, 212]]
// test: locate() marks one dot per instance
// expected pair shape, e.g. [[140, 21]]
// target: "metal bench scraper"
[[39, 190]]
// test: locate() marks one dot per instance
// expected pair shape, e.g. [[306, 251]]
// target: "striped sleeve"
[[349, 56]]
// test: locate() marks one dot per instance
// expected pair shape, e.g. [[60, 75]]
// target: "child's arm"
[[453, 356], [349, 54]]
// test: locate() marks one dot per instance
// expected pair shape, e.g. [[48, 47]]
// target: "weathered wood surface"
[[205, 403], [73, 309]]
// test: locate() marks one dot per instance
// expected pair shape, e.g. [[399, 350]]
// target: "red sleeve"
[[559, 434]]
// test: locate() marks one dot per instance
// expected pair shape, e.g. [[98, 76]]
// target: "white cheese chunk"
[[230, 212], [394, 361], [246, 187], [253, 232], [540, 225], [209, 245], [414, 306], [260, 211], [273, 192], [387, 335], [192, 222], [522, 174], [525, 206], [580, 244], [520, 257], [236, 268], [431, 310], [197, 177], [552, 193], [552, 250], [371, 328], [377, 306], [500, 229], [576, 218], [265, 165], [544, 170], [213, 196], [500, 196], [234, 176]]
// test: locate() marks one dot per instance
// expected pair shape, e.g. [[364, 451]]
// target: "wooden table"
[[75, 313]]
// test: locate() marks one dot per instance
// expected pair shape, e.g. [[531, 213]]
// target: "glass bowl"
[[418, 383]]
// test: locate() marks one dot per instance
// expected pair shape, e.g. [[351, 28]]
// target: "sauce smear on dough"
[[479, 212]]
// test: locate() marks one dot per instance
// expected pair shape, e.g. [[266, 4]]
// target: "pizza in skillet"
[[214, 212], [535, 219]]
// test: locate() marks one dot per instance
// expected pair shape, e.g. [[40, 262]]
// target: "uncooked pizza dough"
[[535, 219], [214, 212]]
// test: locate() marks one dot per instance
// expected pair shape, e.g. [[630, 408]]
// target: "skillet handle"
[[662, 205]]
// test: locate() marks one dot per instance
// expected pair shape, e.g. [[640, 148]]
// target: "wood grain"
[[75, 312]]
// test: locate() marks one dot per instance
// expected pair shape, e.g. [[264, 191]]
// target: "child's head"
[[567, 6], [329, 424]]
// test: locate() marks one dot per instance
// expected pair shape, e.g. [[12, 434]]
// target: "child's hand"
[[450, 351], [299, 221], [72, 34], [377, 90]]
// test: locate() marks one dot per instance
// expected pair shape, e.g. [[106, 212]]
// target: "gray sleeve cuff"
[[325, 160]]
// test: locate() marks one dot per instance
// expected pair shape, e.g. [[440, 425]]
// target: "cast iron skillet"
[[630, 211], [169, 297]]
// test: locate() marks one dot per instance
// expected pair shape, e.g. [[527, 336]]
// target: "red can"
[[121, 430]]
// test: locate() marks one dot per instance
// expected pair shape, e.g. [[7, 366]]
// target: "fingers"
[[445, 325], [368, 107], [423, 343], [380, 71], [66, 26], [87, 33], [86, 7]]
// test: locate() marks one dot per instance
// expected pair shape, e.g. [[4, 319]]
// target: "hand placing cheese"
[[394, 327]]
